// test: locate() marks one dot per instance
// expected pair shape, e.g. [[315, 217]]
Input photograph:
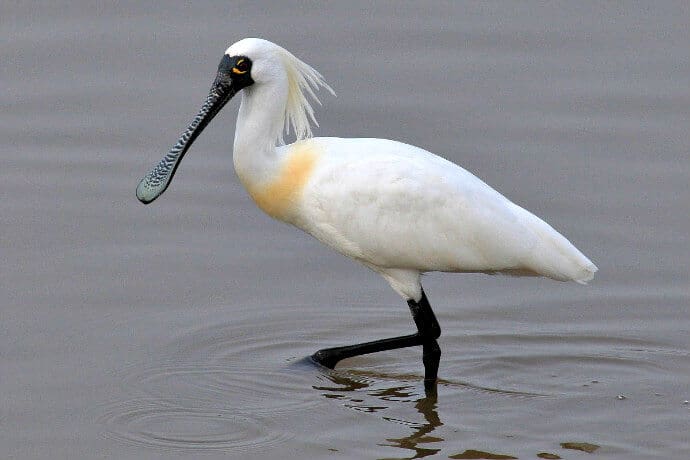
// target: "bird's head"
[[249, 63], [254, 58]]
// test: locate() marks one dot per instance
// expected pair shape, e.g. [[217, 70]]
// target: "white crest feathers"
[[303, 81]]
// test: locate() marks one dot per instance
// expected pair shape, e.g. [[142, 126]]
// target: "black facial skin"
[[237, 69]]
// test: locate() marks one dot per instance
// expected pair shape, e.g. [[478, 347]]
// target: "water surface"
[[178, 330]]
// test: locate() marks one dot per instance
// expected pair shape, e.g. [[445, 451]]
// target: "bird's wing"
[[390, 204], [393, 205]]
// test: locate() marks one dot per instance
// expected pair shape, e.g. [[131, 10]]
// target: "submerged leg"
[[428, 330]]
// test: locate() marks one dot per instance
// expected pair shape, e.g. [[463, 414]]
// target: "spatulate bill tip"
[[145, 194]]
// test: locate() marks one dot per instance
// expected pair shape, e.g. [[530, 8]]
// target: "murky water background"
[[177, 330]]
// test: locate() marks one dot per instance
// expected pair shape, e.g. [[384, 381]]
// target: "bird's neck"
[[260, 123]]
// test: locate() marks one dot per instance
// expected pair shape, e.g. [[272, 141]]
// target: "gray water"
[[177, 330]]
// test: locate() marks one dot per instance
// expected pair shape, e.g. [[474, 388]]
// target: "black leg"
[[428, 330]]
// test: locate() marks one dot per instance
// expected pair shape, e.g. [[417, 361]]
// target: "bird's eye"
[[241, 66]]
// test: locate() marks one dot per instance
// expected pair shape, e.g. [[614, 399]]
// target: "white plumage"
[[397, 209], [401, 211]]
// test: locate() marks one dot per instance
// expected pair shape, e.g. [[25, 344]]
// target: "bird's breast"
[[280, 195]]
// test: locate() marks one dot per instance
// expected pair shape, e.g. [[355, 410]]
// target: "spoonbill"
[[396, 208]]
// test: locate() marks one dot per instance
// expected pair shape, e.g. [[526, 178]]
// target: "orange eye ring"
[[236, 69]]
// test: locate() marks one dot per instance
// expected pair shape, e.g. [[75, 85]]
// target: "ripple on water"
[[152, 423], [515, 350], [263, 391], [218, 387], [225, 386]]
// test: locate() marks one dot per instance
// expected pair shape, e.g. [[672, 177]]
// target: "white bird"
[[396, 208]]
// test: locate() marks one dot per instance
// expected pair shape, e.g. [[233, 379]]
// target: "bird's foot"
[[326, 358]]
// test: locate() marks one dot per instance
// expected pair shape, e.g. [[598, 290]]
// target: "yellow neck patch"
[[279, 196]]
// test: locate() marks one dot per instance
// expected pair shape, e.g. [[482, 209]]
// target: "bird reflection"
[[347, 388]]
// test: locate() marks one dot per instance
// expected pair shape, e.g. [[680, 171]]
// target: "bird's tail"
[[556, 257]]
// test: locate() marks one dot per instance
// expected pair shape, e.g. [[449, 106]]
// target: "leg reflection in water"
[[427, 407], [350, 388]]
